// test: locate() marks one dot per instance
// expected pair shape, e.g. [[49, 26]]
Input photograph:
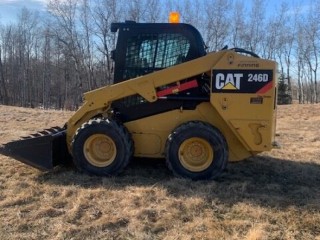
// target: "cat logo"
[[228, 81]]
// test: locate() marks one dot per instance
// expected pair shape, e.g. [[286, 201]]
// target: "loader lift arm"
[[99, 101]]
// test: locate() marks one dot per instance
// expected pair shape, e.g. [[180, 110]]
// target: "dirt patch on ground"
[[275, 195]]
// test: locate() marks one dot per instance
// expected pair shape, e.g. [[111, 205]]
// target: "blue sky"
[[10, 8]]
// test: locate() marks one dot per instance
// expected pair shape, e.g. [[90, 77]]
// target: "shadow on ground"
[[261, 180]]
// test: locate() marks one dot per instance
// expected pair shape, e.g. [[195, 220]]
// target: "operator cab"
[[143, 48]]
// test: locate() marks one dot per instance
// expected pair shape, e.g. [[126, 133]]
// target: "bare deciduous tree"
[[50, 61], [217, 24]]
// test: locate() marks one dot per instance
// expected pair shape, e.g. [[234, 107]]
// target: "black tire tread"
[[200, 125], [122, 131]]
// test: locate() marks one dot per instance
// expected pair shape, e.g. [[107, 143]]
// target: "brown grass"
[[275, 195]]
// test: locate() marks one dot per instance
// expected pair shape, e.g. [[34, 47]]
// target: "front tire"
[[196, 150], [102, 147]]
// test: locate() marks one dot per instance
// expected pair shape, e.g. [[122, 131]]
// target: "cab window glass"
[[150, 52]]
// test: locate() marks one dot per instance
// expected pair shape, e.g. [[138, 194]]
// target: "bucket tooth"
[[52, 130], [26, 137], [44, 132], [35, 135]]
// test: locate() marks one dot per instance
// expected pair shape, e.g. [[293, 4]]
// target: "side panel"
[[161, 125], [243, 93]]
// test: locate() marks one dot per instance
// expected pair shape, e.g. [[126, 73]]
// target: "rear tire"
[[102, 147], [196, 150]]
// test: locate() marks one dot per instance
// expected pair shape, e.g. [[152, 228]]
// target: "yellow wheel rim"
[[100, 150], [196, 154]]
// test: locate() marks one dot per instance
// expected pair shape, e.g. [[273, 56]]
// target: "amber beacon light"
[[174, 17]]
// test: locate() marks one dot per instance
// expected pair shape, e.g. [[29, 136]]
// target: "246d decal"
[[241, 81]]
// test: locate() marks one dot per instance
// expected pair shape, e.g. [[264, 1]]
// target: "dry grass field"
[[275, 195]]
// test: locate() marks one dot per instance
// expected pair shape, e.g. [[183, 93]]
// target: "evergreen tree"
[[284, 96]]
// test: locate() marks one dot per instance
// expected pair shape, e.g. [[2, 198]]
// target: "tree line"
[[49, 59]]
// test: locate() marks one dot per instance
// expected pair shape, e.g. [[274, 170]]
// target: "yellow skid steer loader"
[[170, 99]]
